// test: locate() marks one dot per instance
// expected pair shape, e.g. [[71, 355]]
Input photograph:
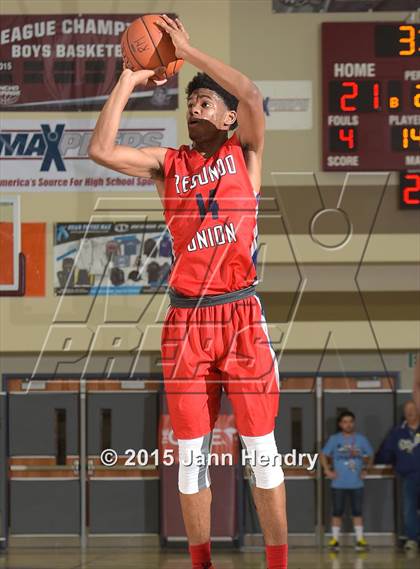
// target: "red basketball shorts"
[[210, 348]]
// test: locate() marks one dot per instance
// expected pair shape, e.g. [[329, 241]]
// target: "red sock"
[[200, 555], [276, 556]]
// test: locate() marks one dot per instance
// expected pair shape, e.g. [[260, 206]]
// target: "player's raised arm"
[[144, 162], [250, 114]]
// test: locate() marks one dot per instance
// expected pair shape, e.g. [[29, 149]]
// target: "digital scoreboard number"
[[410, 190], [371, 96]]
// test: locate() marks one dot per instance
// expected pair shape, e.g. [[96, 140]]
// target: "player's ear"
[[230, 118]]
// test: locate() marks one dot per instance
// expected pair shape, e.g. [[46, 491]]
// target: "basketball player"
[[215, 334]]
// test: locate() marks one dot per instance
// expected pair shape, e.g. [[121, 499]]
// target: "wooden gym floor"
[[131, 558]]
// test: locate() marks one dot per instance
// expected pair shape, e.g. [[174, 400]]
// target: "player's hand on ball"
[[144, 77], [178, 33]]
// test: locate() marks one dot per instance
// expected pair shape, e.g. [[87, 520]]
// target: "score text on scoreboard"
[[371, 96], [410, 190]]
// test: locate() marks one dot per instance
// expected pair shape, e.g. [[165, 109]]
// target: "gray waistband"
[[181, 301]]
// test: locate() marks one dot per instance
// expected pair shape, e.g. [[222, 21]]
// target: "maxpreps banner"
[[68, 62], [51, 155]]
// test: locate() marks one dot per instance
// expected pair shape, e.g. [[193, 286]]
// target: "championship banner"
[[52, 155], [111, 258], [69, 62]]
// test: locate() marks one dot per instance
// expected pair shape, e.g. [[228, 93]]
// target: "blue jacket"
[[402, 449]]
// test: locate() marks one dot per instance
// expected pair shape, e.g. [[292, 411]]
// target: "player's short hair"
[[203, 81], [343, 414]]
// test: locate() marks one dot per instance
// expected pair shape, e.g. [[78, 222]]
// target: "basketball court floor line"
[[131, 558]]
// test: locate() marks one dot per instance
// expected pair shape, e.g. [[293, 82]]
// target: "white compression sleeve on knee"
[[193, 473], [262, 456]]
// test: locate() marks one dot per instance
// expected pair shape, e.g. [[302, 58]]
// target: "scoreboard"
[[371, 98]]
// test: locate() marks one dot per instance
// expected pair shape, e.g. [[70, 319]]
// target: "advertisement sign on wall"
[[68, 62], [287, 104], [111, 258], [52, 155]]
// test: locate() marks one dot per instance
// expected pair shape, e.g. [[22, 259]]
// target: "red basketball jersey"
[[211, 214]]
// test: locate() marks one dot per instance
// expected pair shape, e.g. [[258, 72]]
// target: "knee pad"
[[193, 474], [261, 455]]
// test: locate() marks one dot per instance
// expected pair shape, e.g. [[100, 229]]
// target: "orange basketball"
[[145, 46]]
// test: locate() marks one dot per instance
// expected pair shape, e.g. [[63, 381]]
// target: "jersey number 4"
[[213, 205]]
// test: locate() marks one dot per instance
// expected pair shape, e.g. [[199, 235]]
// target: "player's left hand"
[[178, 33], [144, 77]]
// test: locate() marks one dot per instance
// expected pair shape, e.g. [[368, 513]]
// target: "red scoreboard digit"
[[410, 190], [371, 96]]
